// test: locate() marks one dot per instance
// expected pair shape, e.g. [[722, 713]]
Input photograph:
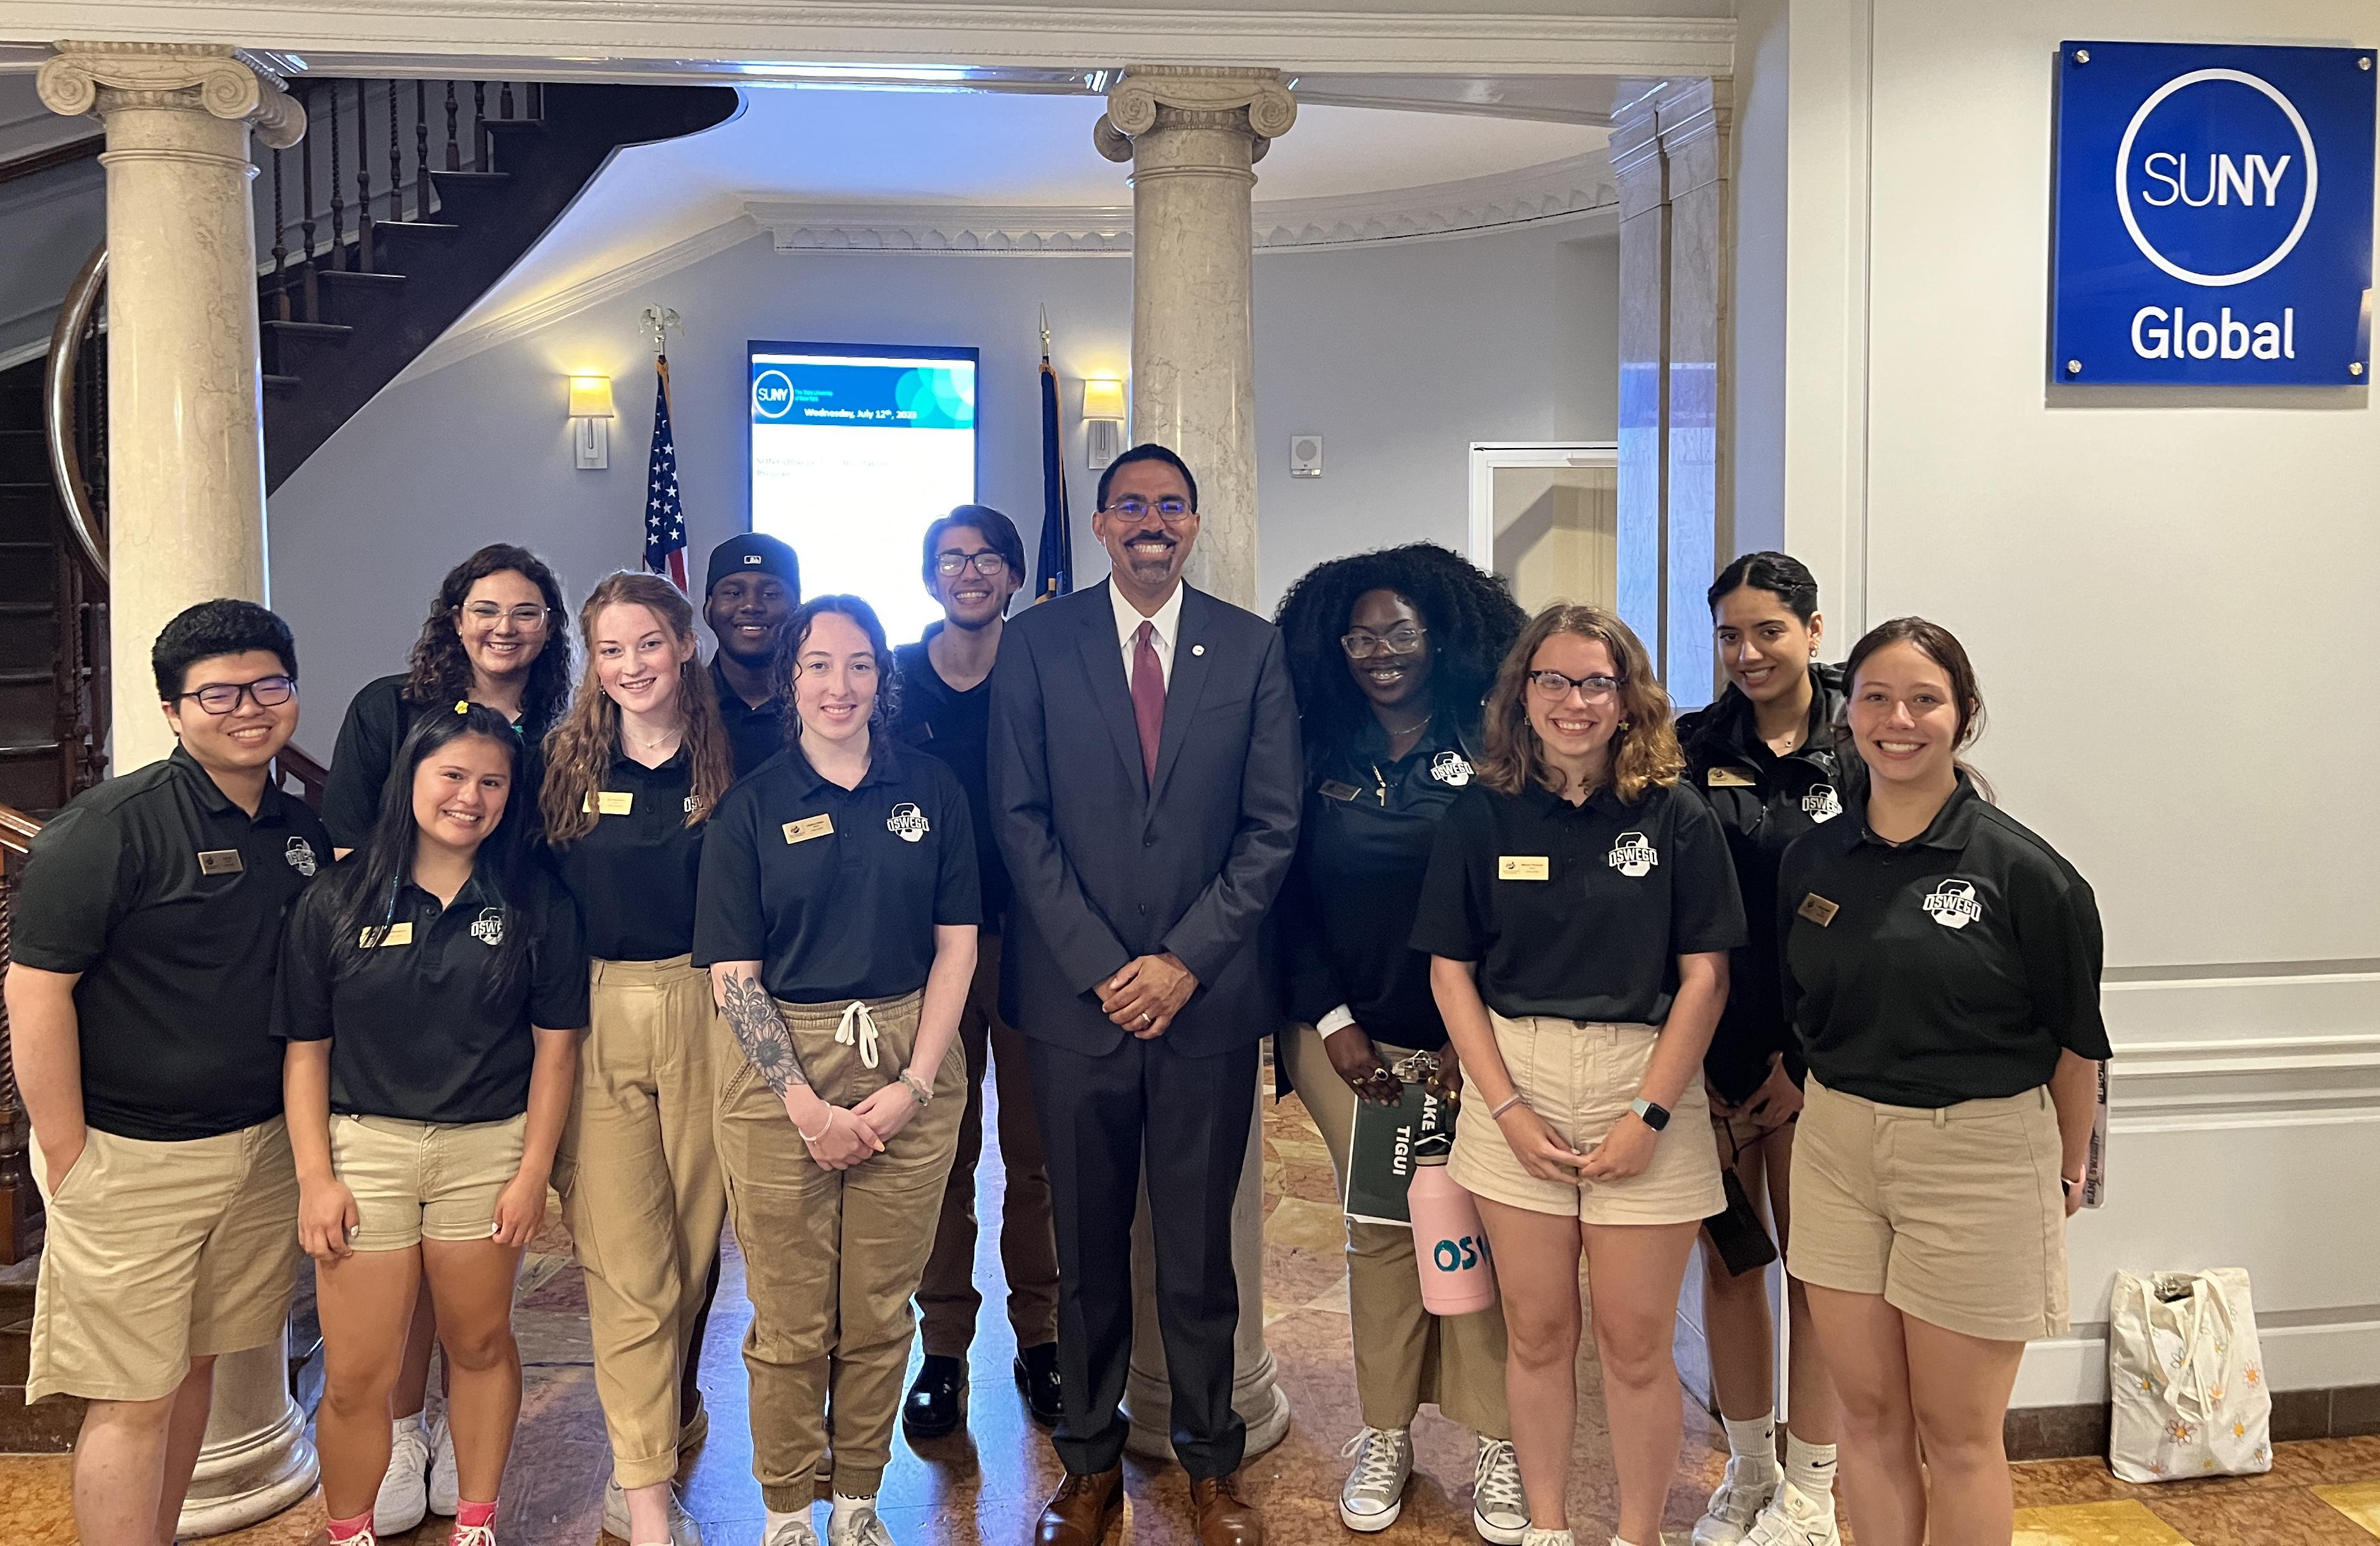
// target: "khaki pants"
[[948, 1299], [830, 1258], [639, 1174], [1404, 1355]]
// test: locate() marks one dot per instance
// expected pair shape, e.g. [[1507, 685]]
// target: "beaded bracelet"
[[918, 1087]]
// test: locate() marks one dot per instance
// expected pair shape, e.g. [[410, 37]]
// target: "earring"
[[1623, 724]]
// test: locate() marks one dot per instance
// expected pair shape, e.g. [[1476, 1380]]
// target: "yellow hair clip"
[[462, 705]]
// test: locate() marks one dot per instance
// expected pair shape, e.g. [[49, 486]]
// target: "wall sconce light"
[[590, 421], [1102, 421]]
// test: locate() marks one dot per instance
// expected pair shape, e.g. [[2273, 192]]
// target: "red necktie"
[[1148, 696]]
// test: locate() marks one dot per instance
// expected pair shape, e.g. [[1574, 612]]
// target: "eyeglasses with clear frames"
[[1405, 639], [1553, 685], [990, 565], [529, 619], [222, 697], [1170, 508]]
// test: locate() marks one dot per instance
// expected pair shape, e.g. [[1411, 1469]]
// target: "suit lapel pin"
[[1197, 649]]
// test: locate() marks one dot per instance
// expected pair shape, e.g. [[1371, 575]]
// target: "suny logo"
[[773, 394]]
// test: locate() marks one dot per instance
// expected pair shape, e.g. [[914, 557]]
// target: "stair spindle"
[[505, 102], [395, 160], [310, 291], [537, 99], [478, 126], [364, 185], [454, 152], [338, 188], [280, 247], [421, 149]]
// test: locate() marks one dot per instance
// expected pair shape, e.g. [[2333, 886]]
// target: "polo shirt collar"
[[1128, 618], [1739, 726], [621, 760], [883, 759], [479, 891], [730, 700], [210, 794], [1605, 799], [1951, 827]]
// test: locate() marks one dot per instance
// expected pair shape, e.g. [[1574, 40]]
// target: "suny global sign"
[[2213, 222]]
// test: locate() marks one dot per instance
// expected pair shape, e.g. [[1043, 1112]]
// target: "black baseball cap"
[[754, 553]]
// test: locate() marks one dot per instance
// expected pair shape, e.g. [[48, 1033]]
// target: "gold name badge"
[[1729, 778], [1331, 790], [802, 831], [1523, 866], [613, 802], [220, 862], [386, 934], [1818, 909]]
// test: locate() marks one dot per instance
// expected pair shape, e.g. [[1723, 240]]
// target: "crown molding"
[[994, 230], [377, 34]]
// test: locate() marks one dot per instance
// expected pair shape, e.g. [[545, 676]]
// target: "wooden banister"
[[294, 767]]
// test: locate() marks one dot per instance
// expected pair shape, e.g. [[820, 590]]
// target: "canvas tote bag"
[[2187, 1378]]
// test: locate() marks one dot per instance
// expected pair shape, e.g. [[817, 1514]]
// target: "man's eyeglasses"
[[1553, 685], [1403, 639], [529, 619], [222, 697], [990, 565], [1168, 509]]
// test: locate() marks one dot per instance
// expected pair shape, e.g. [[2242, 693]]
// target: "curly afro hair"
[[1471, 615]]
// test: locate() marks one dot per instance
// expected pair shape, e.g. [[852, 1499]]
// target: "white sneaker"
[[1791, 1519], [793, 1532], [1536, 1537], [1500, 1510], [863, 1527], [404, 1500], [683, 1531], [445, 1492], [1375, 1494], [1743, 1493]]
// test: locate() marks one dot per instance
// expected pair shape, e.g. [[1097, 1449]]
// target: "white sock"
[[846, 1507], [1753, 1439], [1811, 1469], [776, 1520]]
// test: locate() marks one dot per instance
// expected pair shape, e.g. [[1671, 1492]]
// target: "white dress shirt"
[[1168, 629]]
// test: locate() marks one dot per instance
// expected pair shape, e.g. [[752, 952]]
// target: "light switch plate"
[[1306, 456]]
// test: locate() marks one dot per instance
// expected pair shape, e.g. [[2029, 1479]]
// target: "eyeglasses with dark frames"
[[987, 563], [1170, 509], [222, 697], [1554, 684]]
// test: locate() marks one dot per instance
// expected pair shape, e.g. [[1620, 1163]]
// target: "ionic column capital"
[[214, 79], [1157, 97]]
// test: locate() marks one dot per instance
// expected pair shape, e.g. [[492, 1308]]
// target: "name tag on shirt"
[[1523, 866], [1729, 778], [220, 862], [802, 831], [386, 934], [1818, 909], [1331, 790], [612, 802]]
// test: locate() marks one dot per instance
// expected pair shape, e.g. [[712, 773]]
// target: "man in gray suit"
[[1145, 782]]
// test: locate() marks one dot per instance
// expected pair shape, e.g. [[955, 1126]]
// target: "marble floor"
[[986, 1485]]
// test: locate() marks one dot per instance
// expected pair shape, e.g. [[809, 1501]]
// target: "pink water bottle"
[[1450, 1247]]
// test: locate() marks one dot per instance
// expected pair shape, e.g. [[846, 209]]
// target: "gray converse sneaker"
[[1742, 1494], [1375, 1494], [683, 1529], [1500, 1510], [864, 1527], [1791, 1519]]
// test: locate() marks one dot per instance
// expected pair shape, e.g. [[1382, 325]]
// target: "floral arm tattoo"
[[752, 1014]]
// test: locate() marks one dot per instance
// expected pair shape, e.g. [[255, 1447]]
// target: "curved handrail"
[[65, 343], [17, 831]]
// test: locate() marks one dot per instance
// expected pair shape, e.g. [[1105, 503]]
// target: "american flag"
[[664, 516]]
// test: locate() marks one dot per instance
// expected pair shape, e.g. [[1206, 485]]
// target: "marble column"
[[1193, 136], [186, 468], [1670, 150], [185, 505]]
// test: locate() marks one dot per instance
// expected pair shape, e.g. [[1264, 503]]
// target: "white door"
[[1545, 517]]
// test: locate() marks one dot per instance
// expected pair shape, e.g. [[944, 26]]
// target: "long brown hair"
[[1941, 646], [1644, 749], [440, 671], [579, 752]]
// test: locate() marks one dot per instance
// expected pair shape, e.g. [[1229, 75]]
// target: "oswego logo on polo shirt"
[[1821, 804], [1633, 855], [1450, 767], [1953, 904], [489, 926], [908, 823], [300, 855]]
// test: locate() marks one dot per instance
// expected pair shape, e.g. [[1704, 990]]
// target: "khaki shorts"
[[159, 1252], [1954, 1216], [414, 1181], [1582, 1079]]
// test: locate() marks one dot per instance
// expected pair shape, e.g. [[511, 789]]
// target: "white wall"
[[49, 221], [1401, 355], [2166, 597]]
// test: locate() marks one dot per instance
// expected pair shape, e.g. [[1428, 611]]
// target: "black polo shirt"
[[634, 876], [1764, 802], [836, 892], [1955, 966], [755, 734], [1363, 849], [416, 1029], [378, 717], [1579, 911], [169, 899], [939, 720]]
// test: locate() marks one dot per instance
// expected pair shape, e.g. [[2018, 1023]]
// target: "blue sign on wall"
[[2213, 222]]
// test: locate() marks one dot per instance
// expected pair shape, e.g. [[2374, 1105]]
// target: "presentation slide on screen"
[[855, 451]]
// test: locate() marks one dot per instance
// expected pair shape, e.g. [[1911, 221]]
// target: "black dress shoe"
[[937, 1403], [1037, 1376]]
